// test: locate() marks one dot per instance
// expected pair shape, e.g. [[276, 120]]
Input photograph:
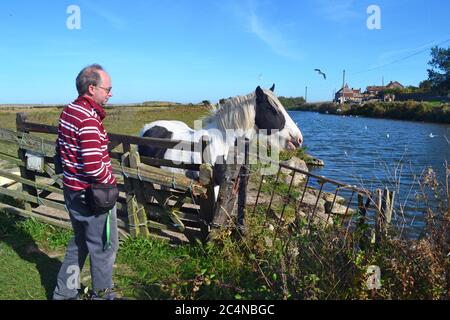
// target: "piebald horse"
[[236, 117]]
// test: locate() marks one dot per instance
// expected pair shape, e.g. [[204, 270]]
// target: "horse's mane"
[[234, 113]]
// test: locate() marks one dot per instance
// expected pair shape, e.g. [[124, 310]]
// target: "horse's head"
[[271, 116]]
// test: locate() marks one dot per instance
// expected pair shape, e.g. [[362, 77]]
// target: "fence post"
[[243, 181], [362, 226], [226, 200], [385, 204], [132, 206], [24, 173], [138, 189], [362, 223], [206, 204]]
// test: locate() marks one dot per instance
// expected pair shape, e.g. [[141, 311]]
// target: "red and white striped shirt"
[[83, 145]]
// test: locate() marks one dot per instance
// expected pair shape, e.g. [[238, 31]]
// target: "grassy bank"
[[409, 110], [265, 264]]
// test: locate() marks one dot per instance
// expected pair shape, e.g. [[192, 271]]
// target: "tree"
[[439, 75], [292, 103], [206, 103], [425, 85]]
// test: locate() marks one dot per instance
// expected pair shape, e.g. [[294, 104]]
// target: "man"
[[83, 145]]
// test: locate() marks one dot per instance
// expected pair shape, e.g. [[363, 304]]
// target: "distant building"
[[394, 85], [377, 92], [374, 90], [348, 95]]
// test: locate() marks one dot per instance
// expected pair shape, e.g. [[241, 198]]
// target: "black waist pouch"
[[102, 197]]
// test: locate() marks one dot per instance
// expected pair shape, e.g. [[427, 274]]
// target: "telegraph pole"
[[343, 91]]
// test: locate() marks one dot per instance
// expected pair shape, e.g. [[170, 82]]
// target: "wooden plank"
[[165, 222], [165, 211], [177, 223], [112, 145], [31, 199], [120, 138], [45, 219], [37, 185], [159, 162], [37, 127], [152, 142], [51, 172], [28, 214], [11, 159], [160, 177], [28, 142]]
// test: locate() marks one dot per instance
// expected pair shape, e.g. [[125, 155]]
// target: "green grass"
[[30, 254]]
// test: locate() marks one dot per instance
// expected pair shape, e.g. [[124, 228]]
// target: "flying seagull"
[[320, 72]]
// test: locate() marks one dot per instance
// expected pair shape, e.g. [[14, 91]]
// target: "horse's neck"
[[222, 142], [226, 136], [224, 131]]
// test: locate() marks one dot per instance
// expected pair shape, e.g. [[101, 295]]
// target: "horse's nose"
[[297, 141]]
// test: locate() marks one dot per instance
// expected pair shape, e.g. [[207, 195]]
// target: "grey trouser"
[[90, 238]]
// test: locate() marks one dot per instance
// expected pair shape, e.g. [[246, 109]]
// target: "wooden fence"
[[152, 202]]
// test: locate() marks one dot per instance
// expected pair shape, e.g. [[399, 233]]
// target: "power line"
[[402, 59]]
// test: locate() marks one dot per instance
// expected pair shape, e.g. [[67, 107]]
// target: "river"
[[376, 153]]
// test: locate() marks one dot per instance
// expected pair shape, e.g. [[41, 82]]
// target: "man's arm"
[[91, 151]]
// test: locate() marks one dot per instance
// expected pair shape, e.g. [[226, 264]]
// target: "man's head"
[[94, 83]]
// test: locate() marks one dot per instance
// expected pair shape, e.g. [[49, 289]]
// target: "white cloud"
[[338, 10], [114, 20], [266, 32]]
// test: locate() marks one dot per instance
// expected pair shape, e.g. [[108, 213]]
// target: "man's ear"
[[91, 89]]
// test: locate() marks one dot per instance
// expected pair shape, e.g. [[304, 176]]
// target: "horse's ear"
[[259, 91], [272, 88]]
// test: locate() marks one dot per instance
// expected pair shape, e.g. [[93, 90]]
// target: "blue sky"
[[192, 50]]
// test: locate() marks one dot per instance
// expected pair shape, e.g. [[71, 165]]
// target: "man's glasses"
[[108, 90]]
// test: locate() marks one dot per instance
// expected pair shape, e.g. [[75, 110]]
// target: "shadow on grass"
[[27, 249]]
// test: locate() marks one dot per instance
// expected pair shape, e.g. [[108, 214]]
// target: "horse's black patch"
[[267, 116], [154, 152]]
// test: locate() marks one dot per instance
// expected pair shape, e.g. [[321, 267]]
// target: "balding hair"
[[88, 76]]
